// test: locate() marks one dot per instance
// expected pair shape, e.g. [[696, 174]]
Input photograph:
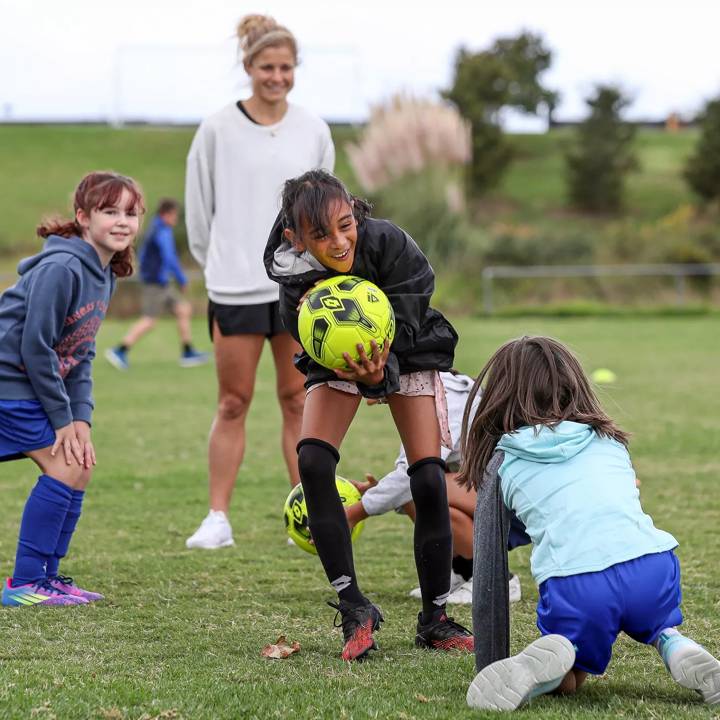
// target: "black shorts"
[[263, 319]]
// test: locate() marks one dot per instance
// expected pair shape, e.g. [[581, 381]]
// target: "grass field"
[[42, 165], [534, 186], [181, 632]]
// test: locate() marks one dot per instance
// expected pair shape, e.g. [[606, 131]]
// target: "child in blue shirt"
[[48, 323], [158, 263], [541, 445]]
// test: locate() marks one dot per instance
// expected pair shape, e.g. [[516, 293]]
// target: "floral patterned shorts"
[[422, 382]]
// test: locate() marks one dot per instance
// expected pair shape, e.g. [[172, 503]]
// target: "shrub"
[[702, 171], [602, 154], [411, 159]]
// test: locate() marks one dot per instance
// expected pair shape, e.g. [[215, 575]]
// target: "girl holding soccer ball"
[[324, 231]]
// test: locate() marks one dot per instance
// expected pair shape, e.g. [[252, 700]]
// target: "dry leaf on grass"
[[280, 649]]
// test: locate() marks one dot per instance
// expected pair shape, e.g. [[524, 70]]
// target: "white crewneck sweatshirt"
[[235, 173]]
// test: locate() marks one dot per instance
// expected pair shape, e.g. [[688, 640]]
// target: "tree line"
[[598, 158]]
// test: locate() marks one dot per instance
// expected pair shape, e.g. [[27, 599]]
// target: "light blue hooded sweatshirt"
[[575, 493]]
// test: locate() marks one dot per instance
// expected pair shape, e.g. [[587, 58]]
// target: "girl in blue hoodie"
[[48, 323], [541, 445]]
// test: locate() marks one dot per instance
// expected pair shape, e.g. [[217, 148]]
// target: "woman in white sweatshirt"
[[236, 167]]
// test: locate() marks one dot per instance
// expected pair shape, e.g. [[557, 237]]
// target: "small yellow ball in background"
[[603, 376]]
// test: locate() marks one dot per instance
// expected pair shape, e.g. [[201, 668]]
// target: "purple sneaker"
[[37, 593], [67, 585]]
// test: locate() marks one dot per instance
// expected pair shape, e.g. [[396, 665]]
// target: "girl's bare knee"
[[571, 682], [70, 475], [84, 480], [568, 685]]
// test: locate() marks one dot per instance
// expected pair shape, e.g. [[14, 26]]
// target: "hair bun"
[[252, 27]]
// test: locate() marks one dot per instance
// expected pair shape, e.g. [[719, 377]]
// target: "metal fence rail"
[[677, 271]]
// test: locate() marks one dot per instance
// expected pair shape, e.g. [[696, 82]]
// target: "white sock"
[[666, 639]]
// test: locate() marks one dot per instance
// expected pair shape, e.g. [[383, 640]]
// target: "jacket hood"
[[547, 445], [56, 246], [286, 265]]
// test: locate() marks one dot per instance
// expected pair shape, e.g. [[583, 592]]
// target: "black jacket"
[[390, 258]]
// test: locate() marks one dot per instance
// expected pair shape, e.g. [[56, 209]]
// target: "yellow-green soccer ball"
[[341, 312], [296, 517]]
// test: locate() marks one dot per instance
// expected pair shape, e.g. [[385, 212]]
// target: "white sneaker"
[[692, 666], [515, 589], [455, 582], [538, 669], [461, 595], [214, 532]]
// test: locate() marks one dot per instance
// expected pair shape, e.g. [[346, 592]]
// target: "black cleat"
[[442, 633], [358, 623]]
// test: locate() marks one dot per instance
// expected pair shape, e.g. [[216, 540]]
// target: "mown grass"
[[181, 632], [42, 164], [534, 188]]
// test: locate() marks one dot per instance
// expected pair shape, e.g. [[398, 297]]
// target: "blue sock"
[[40, 527], [68, 528]]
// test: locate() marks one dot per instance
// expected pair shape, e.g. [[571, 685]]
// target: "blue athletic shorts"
[[24, 426], [641, 597]]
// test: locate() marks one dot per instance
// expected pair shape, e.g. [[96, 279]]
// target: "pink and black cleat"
[[67, 585]]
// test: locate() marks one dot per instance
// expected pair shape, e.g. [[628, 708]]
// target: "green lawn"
[[534, 187], [181, 632], [43, 163]]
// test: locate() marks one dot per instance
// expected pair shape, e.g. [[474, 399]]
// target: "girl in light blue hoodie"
[[48, 323], [541, 445]]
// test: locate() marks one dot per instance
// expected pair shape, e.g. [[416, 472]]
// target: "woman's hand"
[[66, 438], [82, 431], [370, 370]]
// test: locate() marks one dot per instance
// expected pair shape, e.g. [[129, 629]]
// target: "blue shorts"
[[24, 426], [641, 597]]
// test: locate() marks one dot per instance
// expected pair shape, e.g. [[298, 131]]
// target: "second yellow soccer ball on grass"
[[340, 312], [296, 516]]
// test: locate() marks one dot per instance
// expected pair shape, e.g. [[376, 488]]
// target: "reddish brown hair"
[[529, 381], [98, 190]]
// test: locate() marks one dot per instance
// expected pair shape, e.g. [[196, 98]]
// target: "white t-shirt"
[[235, 174]]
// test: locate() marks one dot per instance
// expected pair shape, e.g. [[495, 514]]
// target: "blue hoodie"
[[48, 323], [575, 493], [158, 256]]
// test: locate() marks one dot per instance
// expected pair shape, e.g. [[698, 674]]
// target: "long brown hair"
[[98, 190], [529, 381]]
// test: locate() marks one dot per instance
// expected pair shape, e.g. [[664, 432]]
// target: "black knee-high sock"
[[433, 537], [317, 461]]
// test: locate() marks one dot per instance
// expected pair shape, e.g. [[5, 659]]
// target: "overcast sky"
[[175, 60]]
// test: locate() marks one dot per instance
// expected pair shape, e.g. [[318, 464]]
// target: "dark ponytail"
[[312, 195]]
